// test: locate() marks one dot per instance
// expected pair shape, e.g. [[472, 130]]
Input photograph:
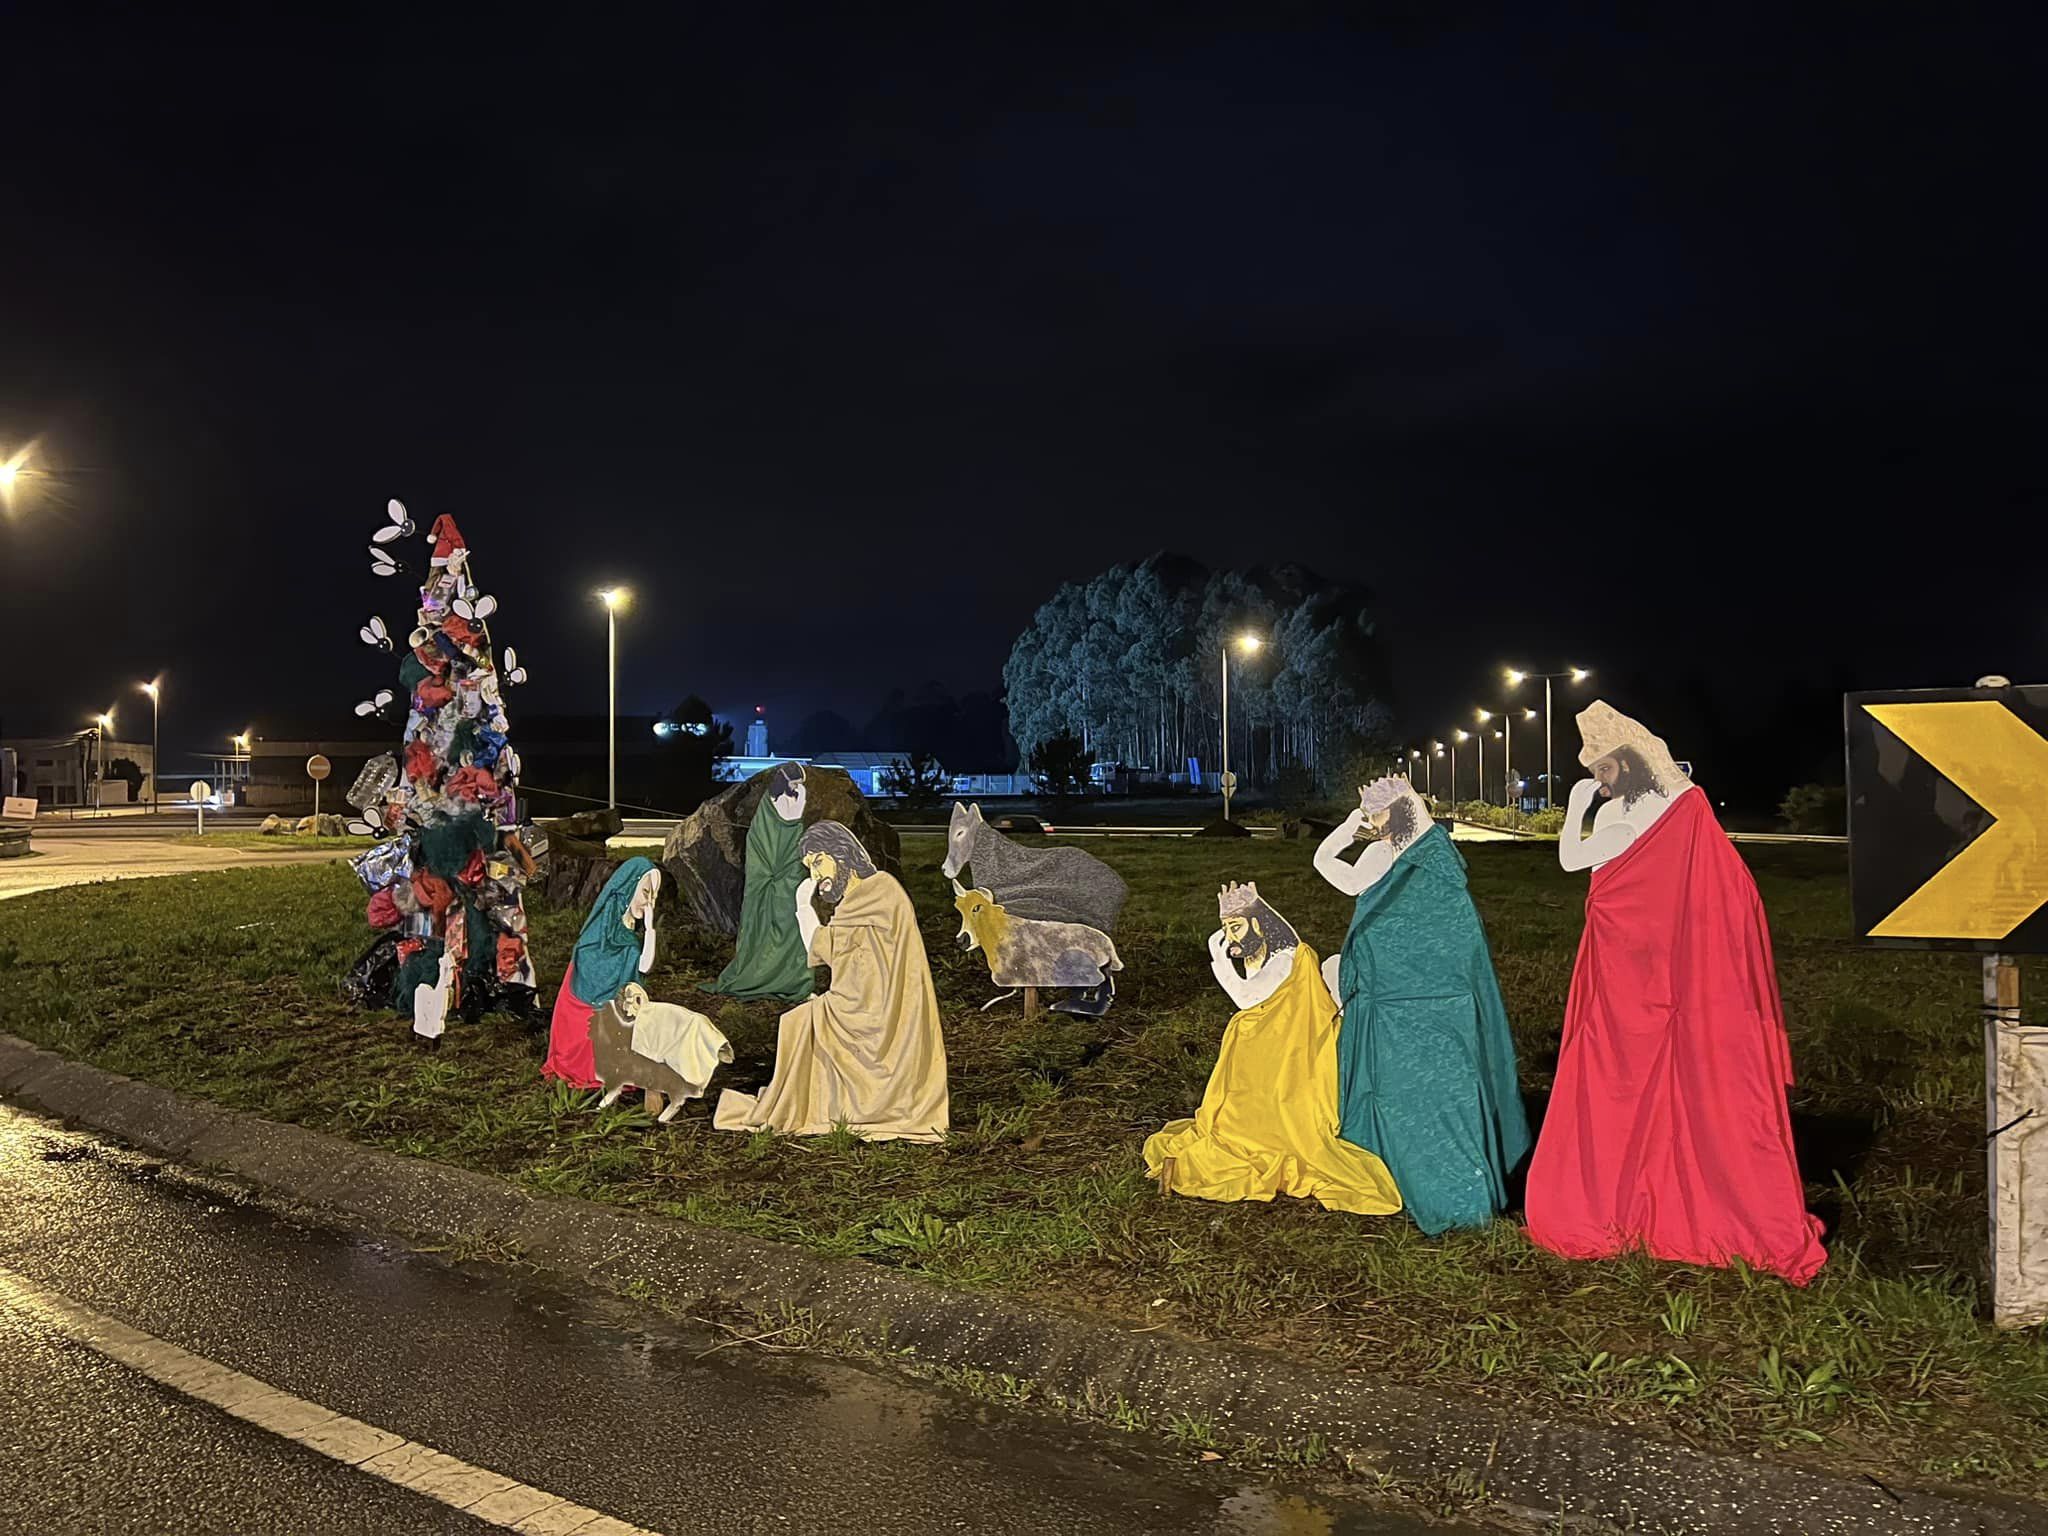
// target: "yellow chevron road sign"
[[1948, 817]]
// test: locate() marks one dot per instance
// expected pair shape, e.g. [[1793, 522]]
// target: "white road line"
[[474, 1490]]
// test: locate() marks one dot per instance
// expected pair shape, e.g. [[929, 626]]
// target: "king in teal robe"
[[769, 959], [1425, 1063]]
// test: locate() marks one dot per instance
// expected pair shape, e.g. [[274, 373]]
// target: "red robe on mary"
[[1667, 1128]]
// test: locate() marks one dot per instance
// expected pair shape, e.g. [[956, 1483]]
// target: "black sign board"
[[1948, 818]]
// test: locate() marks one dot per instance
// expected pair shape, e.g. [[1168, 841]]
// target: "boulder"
[[706, 856], [323, 825], [1222, 828], [577, 863], [273, 826]]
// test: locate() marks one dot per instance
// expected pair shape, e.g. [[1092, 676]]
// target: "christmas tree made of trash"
[[446, 881]]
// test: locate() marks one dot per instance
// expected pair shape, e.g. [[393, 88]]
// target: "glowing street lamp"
[[1572, 674], [1247, 643], [1456, 737], [614, 599]]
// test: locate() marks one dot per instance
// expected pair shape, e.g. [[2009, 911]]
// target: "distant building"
[[63, 771], [757, 734]]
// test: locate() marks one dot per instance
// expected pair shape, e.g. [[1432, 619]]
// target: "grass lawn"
[[282, 842], [224, 985]]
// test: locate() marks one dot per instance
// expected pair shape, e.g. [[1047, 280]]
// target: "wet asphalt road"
[[578, 1398]]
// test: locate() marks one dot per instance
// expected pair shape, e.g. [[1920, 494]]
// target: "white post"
[[155, 746], [1480, 736], [1507, 753], [1225, 780], [1549, 773], [611, 614], [2016, 1156]]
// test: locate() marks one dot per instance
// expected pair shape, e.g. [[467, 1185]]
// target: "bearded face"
[[1624, 776], [824, 869], [1244, 941]]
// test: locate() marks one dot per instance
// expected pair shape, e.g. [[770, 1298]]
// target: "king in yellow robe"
[[1268, 1121]]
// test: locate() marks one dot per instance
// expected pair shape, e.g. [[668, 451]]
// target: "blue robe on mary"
[[1425, 1063]]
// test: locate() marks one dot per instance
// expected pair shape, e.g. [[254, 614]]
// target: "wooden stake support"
[[2016, 1150], [1030, 1003]]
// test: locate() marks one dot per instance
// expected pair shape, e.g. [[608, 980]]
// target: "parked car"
[[1020, 821]]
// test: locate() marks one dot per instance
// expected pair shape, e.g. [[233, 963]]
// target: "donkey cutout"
[[1055, 885]]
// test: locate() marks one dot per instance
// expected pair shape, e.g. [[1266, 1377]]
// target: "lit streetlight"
[[614, 599], [1515, 679], [1456, 737], [155, 693], [1247, 644]]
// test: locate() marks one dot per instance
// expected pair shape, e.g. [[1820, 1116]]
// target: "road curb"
[[1544, 1468]]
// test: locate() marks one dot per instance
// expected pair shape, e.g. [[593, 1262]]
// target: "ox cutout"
[[769, 959], [665, 1050], [1268, 1120], [1054, 885], [865, 1053], [1029, 953], [1667, 1130], [1425, 1060]]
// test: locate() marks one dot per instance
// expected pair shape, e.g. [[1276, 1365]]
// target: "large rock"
[[706, 857], [578, 863]]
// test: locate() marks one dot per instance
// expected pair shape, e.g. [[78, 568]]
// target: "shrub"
[[1820, 809]]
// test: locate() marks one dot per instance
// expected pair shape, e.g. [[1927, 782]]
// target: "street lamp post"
[[1515, 679], [614, 599], [155, 739], [1484, 715], [1247, 644], [1456, 737], [101, 726]]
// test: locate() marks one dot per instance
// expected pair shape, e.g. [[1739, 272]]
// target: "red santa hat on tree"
[[450, 548]]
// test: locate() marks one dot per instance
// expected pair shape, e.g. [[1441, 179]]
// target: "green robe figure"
[[769, 960], [1425, 1062]]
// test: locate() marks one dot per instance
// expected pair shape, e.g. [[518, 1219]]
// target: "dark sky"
[[1706, 351]]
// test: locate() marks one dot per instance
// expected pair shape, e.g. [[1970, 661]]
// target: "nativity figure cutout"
[[1668, 1130], [1267, 1124], [867, 1052]]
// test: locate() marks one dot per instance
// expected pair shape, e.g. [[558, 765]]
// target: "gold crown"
[[1235, 900]]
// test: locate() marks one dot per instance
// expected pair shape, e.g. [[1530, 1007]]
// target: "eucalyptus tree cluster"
[[1131, 662]]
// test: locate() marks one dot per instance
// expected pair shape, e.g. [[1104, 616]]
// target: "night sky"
[[1705, 352]]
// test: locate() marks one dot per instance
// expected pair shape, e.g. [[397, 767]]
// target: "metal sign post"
[[317, 768], [1945, 852], [201, 793]]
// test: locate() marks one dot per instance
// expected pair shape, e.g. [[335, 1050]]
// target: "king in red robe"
[[1668, 1129]]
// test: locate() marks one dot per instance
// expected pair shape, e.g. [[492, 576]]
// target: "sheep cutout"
[[665, 1050], [1031, 953]]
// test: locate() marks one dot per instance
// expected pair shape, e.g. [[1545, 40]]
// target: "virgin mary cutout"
[[608, 955]]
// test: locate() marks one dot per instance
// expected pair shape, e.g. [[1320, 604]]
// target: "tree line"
[[1130, 663]]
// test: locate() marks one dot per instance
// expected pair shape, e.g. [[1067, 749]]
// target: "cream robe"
[[867, 1053]]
